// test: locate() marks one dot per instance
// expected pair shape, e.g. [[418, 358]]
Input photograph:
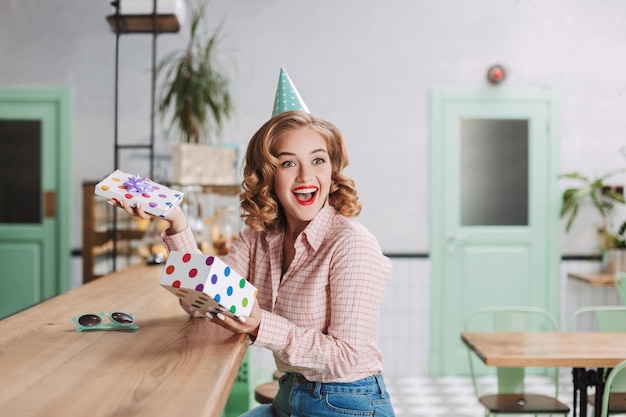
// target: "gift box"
[[208, 284], [155, 198]]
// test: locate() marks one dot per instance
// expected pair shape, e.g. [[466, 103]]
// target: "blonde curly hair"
[[261, 209]]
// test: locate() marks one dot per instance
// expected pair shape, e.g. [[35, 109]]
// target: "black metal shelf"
[[154, 24]]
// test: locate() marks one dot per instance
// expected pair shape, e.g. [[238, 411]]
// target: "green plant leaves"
[[603, 198], [195, 89]]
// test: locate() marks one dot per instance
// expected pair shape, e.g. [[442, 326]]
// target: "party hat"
[[287, 97]]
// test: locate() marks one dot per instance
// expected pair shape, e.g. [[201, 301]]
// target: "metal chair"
[[604, 319], [610, 402], [511, 397]]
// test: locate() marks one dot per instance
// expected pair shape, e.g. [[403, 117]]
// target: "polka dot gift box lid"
[[208, 284], [155, 198]]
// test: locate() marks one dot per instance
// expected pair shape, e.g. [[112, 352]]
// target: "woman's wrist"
[[253, 334], [177, 220]]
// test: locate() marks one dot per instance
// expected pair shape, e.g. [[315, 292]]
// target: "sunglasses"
[[95, 321]]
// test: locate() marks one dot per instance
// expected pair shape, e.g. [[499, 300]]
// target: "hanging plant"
[[195, 90]]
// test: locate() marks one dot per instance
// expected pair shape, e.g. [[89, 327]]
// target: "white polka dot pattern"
[[287, 97], [206, 283]]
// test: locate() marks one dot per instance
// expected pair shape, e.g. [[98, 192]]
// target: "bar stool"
[[265, 393]]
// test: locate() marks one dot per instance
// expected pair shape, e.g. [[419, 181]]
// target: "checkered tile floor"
[[454, 396]]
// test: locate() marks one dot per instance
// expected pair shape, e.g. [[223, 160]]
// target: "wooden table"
[[172, 365], [579, 351]]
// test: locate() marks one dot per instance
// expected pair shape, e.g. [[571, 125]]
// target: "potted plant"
[[195, 89], [196, 95], [615, 240], [614, 252], [604, 199]]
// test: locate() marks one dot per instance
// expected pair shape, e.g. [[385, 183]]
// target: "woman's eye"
[[318, 161], [287, 164]]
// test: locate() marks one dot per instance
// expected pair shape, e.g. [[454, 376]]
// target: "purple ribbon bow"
[[138, 185]]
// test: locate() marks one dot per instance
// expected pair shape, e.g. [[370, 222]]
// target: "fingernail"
[[122, 203], [221, 316], [209, 315], [242, 319]]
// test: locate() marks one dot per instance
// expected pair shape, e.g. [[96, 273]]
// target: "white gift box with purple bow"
[[155, 198]]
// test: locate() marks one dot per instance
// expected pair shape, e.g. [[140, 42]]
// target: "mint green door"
[[35, 199], [494, 210]]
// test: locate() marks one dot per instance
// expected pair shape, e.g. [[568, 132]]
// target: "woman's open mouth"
[[305, 195]]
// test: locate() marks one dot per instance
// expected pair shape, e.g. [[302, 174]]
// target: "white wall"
[[366, 65]]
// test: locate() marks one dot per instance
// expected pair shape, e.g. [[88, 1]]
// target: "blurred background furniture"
[[604, 319], [612, 403], [620, 285], [265, 393], [511, 396], [138, 239], [593, 279], [586, 353]]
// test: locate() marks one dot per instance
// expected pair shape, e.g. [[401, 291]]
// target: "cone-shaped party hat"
[[287, 97]]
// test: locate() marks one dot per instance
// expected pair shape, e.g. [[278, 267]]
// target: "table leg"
[[598, 379], [584, 378], [598, 408], [579, 376], [575, 392]]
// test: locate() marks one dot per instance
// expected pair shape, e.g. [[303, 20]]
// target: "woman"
[[321, 276]]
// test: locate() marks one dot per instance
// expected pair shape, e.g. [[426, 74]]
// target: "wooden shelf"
[[223, 189], [594, 279], [121, 235], [143, 23], [98, 238]]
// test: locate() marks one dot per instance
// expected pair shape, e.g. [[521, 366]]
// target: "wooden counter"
[[172, 366]]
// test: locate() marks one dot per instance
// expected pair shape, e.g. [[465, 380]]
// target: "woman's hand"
[[245, 324], [176, 217], [193, 312]]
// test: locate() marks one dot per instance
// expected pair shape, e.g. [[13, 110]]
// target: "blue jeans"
[[298, 397]]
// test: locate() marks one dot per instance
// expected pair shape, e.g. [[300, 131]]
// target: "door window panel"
[[494, 172], [20, 172]]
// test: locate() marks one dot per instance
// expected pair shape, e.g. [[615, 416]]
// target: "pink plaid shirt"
[[321, 318]]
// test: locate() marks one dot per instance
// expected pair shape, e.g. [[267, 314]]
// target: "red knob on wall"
[[496, 74]]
